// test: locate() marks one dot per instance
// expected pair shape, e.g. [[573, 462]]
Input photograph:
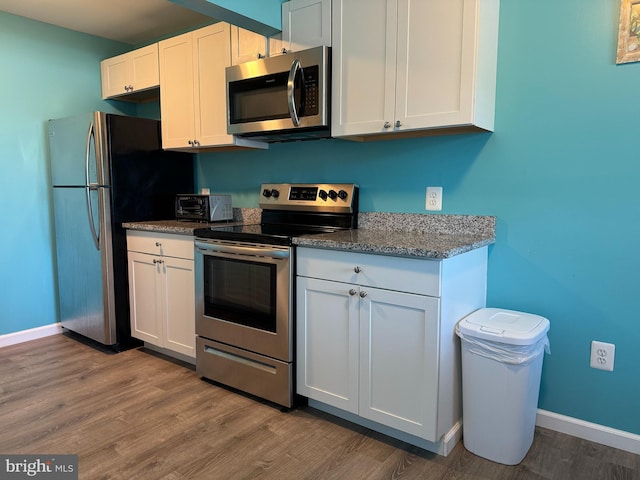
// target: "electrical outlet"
[[434, 198], [602, 355]]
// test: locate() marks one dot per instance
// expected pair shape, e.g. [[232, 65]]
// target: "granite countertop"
[[172, 226], [409, 235], [405, 244], [240, 216]]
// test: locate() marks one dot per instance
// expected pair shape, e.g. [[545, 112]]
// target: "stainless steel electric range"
[[245, 287]]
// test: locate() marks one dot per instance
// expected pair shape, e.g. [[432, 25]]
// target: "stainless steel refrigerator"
[[105, 170]]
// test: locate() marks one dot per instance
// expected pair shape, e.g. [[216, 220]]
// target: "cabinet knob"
[[398, 123], [352, 291], [157, 261], [196, 143], [158, 244], [387, 125], [190, 142], [284, 51], [363, 294], [357, 269], [260, 55]]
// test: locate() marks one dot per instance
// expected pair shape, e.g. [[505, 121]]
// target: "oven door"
[[243, 296]]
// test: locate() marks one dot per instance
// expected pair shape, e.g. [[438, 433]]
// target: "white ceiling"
[[128, 21]]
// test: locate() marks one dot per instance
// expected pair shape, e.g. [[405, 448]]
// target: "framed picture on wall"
[[629, 32]]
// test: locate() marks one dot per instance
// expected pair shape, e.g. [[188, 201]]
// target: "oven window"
[[241, 292]]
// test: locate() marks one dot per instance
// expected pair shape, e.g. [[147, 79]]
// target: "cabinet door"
[[435, 65], [399, 361], [246, 45], [144, 294], [145, 72], [363, 61], [116, 75], [177, 91], [212, 54], [306, 24], [327, 342], [130, 72], [179, 305]]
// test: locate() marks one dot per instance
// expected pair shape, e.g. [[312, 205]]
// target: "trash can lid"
[[506, 326]]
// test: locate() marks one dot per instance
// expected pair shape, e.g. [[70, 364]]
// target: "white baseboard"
[[31, 334], [593, 432]]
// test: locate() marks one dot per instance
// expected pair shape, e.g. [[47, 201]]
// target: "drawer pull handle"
[[158, 244], [352, 291], [357, 269], [363, 294], [158, 261]]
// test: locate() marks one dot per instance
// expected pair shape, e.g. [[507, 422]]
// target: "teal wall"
[[560, 173], [47, 72]]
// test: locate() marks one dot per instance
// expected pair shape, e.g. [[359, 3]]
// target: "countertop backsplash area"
[[428, 223]]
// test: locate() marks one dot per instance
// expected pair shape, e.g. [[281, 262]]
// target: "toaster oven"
[[203, 208]]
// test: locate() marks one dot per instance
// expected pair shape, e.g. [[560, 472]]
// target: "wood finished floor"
[[139, 415]]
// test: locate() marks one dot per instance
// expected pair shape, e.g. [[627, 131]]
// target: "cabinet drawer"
[[402, 274], [164, 244]]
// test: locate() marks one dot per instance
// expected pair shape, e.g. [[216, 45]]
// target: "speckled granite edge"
[[428, 223]]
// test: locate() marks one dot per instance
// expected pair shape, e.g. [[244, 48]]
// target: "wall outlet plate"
[[434, 198], [602, 355]]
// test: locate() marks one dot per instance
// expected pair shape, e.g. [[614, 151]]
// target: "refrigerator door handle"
[[88, 187], [94, 233], [87, 153]]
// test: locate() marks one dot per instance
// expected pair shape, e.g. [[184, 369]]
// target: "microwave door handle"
[[291, 90]]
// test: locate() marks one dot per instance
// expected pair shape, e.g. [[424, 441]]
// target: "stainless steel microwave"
[[281, 98]]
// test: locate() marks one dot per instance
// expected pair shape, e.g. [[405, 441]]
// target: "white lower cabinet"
[[375, 336], [161, 290]]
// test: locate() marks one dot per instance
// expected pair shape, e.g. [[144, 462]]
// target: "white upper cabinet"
[[409, 68], [305, 24], [247, 45], [131, 73], [193, 90]]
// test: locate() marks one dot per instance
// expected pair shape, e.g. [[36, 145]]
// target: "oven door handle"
[[210, 248]]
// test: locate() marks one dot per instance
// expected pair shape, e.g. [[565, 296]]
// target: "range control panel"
[[328, 197]]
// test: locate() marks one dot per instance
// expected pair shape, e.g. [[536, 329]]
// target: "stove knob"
[[342, 194], [322, 194], [275, 193], [333, 194], [266, 193]]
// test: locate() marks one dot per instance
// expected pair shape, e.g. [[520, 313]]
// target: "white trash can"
[[502, 353]]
